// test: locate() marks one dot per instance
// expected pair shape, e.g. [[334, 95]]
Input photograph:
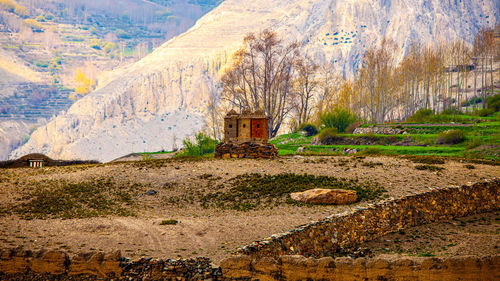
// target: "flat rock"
[[326, 196]]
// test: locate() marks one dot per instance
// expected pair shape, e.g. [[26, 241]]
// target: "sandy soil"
[[213, 233], [477, 235]]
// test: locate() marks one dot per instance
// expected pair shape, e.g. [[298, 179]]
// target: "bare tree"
[[260, 77], [304, 87], [329, 83], [376, 79]]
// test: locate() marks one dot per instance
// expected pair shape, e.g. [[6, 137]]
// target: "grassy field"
[[482, 140]]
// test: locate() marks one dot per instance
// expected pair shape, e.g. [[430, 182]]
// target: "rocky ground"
[[171, 208], [477, 235]]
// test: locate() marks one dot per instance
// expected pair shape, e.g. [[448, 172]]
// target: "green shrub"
[[494, 102], [451, 137], [485, 112], [35, 26], [425, 159], [421, 116], [309, 129], [431, 168], [472, 101], [451, 111], [370, 151], [40, 18], [95, 44], [339, 119], [168, 222], [473, 143], [201, 145], [123, 34], [327, 135]]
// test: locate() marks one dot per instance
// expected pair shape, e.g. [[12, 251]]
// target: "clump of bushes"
[[431, 168], [339, 119], [13, 7], [494, 102], [201, 145], [35, 26], [308, 128], [425, 159], [370, 151], [451, 137], [169, 222], [421, 116], [327, 136], [485, 112]]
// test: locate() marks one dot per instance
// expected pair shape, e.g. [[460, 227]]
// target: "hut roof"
[[231, 112], [35, 156]]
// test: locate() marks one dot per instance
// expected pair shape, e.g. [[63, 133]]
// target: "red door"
[[259, 129]]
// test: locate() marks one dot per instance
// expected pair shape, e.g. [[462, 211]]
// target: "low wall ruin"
[[341, 232], [246, 150]]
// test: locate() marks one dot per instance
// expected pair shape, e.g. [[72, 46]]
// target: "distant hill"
[[44, 43]]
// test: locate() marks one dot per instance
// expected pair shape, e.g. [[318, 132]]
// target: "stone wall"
[[246, 150], [341, 232], [16, 264], [379, 130], [347, 269]]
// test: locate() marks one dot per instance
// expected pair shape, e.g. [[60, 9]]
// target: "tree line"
[[292, 89]]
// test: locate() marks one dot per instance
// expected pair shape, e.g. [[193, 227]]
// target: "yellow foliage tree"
[[35, 26], [85, 84], [12, 6]]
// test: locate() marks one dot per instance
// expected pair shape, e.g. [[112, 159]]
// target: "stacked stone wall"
[[17, 264], [246, 150], [346, 269], [378, 130], [341, 232]]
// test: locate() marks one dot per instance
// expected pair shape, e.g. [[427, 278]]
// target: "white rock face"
[[125, 115]]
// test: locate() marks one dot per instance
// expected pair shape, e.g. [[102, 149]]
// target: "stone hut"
[[245, 127], [245, 136]]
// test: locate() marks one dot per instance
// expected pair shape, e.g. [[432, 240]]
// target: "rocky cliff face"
[[165, 94]]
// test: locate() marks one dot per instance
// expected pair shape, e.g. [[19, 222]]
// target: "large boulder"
[[326, 196]]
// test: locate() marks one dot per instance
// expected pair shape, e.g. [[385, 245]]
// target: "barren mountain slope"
[[165, 94]]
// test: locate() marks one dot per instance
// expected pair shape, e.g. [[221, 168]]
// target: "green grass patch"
[[431, 168], [64, 199], [169, 222], [381, 149], [426, 159], [249, 191]]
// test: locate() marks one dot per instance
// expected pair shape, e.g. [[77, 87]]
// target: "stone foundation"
[[246, 150]]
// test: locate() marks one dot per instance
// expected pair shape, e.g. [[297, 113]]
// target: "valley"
[[54, 53]]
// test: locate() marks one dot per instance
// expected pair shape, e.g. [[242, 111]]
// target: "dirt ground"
[[209, 232], [477, 235]]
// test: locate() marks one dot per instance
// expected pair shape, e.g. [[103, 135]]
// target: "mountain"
[[44, 43], [143, 106]]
